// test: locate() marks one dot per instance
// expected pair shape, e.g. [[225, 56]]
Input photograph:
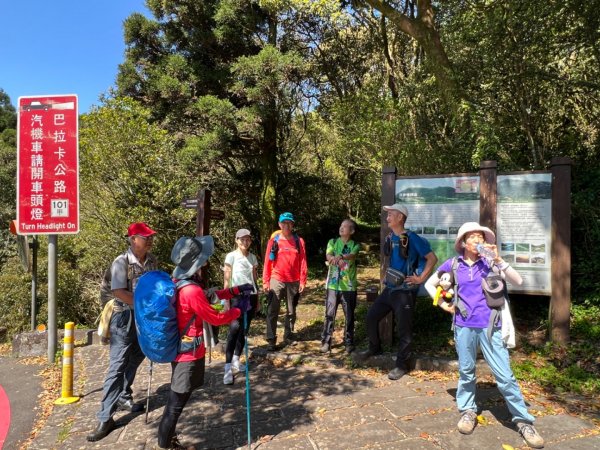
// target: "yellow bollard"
[[66, 395]]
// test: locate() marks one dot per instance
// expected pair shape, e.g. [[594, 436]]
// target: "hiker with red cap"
[[125, 353]]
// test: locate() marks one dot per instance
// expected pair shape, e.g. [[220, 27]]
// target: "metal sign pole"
[[52, 279], [34, 248]]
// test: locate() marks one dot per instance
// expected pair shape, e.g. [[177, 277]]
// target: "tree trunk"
[[268, 159], [422, 29]]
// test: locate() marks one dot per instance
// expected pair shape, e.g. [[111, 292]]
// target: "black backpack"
[[106, 294]]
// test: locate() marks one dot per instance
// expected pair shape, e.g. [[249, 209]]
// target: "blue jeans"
[[496, 355], [125, 358]]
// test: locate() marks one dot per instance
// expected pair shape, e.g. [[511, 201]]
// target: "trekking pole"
[[247, 379], [327, 295], [208, 339], [148, 392]]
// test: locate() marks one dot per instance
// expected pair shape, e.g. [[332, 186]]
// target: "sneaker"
[[530, 435], [467, 422], [237, 366], [396, 373], [129, 405], [228, 376], [325, 348]]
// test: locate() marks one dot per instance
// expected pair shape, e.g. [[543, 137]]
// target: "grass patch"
[[571, 368]]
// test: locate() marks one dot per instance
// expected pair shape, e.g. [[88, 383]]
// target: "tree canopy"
[[297, 105]]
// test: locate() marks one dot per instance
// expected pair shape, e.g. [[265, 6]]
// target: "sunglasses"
[[146, 238]]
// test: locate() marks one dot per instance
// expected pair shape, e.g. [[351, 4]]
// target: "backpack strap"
[[496, 313], [180, 285], [275, 245], [297, 241], [458, 302], [411, 266]]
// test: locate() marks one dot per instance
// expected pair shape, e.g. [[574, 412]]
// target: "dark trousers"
[[348, 301], [166, 429], [277, 290], [402, 303], [235, 336]]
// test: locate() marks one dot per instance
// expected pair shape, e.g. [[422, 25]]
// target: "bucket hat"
[[468, 227], [189, 254]]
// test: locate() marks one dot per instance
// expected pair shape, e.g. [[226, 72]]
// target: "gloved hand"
[[246, 288], [242, 289], [211, 295]]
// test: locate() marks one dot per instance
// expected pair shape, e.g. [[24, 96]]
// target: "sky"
[[62, 47]]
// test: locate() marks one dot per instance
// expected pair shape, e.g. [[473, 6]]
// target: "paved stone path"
[[315, 404]]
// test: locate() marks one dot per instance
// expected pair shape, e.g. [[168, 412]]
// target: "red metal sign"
[[48, 165]]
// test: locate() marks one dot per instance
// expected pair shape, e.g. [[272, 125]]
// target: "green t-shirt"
[[342, 278]]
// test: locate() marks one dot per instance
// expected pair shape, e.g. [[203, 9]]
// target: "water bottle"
[[485, 252]]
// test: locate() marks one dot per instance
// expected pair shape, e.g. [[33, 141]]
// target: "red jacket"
[[191, 300], [289, 264]]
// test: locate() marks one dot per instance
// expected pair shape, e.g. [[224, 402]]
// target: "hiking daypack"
[[275, 246], [133, 271], [105, 291], [156, 318], [495, 292]]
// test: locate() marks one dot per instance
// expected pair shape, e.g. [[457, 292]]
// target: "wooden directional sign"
[[217, 214], [192, 203]]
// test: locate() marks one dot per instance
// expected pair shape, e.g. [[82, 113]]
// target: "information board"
[[47, 165]]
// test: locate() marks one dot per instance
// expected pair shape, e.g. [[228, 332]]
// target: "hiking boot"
[[530, 435], [467, 422], [101, 431], [396, 373], [175, 445], [271, 347], [365, 354], [128, 405], [290, 337], [228, 376], [325, 348]]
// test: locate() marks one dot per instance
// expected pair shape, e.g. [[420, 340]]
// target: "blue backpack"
[[156, 316]]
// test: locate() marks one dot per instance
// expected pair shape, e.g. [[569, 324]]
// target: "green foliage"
[[15, 297], [585, 229], [572, 368], [298, 105], [129, 173], [431, 330], [8, 167]]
